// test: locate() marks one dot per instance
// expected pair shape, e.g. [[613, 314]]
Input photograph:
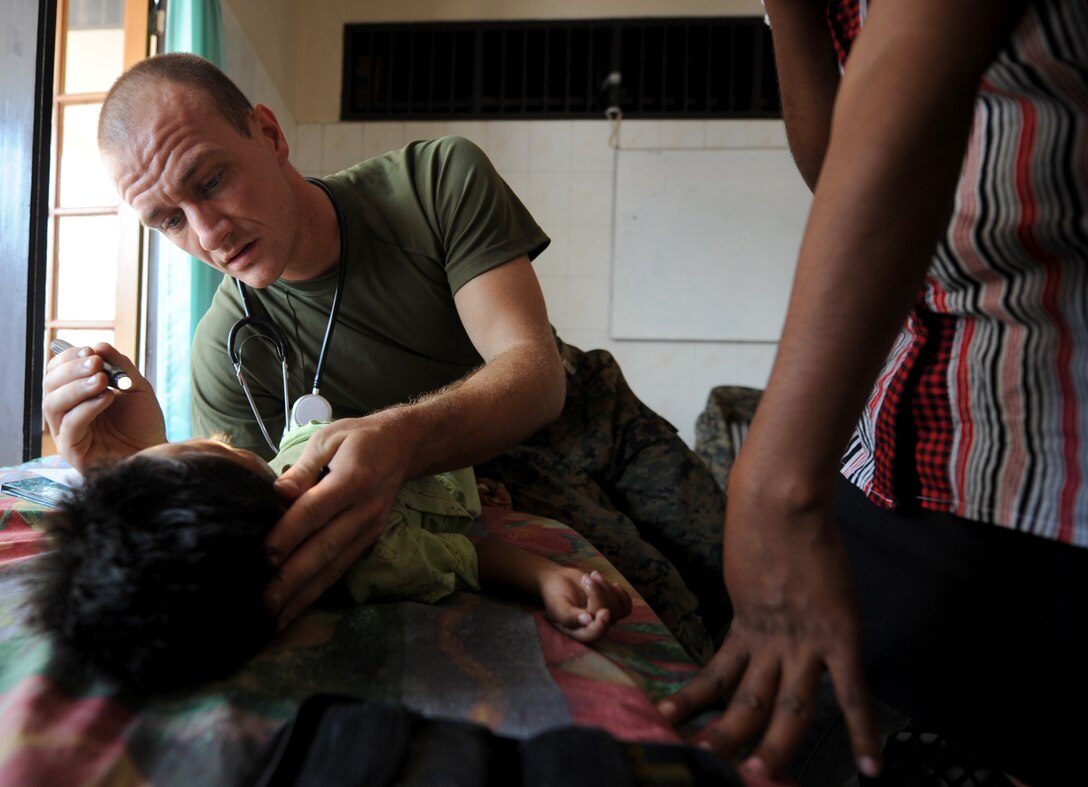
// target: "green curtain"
[[197, 26], [186, 285]]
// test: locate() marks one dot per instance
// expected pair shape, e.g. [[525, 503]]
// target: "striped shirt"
[[982, 407]]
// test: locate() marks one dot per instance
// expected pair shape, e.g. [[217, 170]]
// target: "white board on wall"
[[705, 243]]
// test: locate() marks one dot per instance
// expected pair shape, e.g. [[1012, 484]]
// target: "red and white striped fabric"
[[982, 407]]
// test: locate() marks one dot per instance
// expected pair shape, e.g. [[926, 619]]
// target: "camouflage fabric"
[[722, 426], [618, 473]]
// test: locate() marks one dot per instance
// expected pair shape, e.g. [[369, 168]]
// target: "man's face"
[[221, 196]]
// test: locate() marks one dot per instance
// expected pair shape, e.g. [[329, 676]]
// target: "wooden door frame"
[[128, 315]]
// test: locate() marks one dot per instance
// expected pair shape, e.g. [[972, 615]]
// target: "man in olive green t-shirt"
[[441, 355]]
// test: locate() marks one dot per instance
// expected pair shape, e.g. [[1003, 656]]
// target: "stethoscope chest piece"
[[310, 407]]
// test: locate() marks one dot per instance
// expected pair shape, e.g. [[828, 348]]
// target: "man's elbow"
[[552, 392]]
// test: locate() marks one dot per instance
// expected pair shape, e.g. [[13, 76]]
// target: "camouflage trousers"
[[618, 473]]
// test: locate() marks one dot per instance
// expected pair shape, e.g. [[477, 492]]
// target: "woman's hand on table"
[[795, 615]]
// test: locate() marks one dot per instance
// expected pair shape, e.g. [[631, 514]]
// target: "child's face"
[[213, 447]]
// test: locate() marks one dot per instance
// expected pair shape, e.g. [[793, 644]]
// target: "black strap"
[[338, 740]]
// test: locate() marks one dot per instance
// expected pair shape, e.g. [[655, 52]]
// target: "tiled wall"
[[564, 172], [247, 70]]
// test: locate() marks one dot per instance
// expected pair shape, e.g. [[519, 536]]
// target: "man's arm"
[[519, 389], [885, 190]]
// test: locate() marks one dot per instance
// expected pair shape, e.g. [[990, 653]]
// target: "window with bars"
[[648, 68]]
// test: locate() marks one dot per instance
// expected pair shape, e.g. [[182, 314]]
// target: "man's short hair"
[[157, 569], [179, 68]]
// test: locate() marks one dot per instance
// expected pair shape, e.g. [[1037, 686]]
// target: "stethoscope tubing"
[[266, 328]]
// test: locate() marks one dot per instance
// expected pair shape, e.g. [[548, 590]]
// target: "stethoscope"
[[308, 407]]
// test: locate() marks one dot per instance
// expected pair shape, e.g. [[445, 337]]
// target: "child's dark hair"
[[157, 570]]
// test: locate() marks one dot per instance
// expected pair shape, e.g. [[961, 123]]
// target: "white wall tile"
[[728, 134], [549, 198], [306, 149], [243, 65], [640, 134], [591, 250], [682, 134], [723, 363], [508, 145], [555, 295], [342, 146], [632, 359], [416, 130], [381, 137], [585, 299], [588, 340], [669, 361], [549, 146], [671, 402], [518, 181], [590, 149], [767, 134], [753, 363], [555, 261], [476, 130], [591, 198]]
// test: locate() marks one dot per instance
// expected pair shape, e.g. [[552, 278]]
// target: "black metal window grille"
[[668, 68]]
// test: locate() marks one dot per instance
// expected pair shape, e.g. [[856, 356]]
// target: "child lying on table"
[[158, 563]]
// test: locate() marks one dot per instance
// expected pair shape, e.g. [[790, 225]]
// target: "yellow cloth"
[[423, 554]]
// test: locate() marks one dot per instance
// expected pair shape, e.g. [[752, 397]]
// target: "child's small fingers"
[[577, 634], [608, 595], [596, 597], [569, 616], [623, 600], [597, 627], [588, 633]]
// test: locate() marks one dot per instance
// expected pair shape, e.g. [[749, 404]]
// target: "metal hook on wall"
[[613, 113]]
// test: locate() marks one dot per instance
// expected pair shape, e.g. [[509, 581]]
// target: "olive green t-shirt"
[[420, 223]]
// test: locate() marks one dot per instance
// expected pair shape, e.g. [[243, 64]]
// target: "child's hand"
[[583, 606]]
